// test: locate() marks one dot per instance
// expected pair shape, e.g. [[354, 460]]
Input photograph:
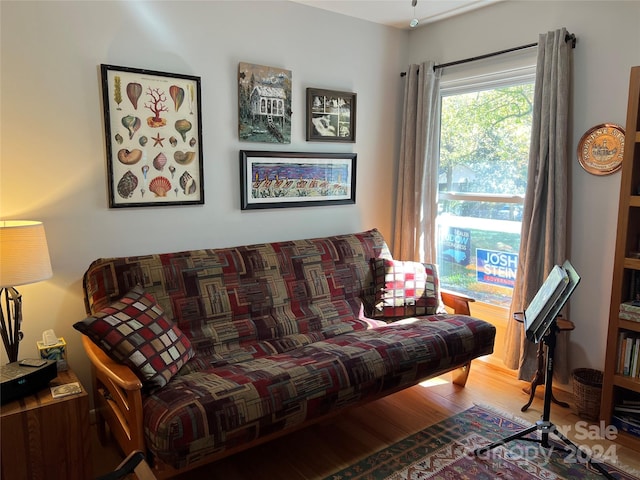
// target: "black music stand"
[[556, 290]]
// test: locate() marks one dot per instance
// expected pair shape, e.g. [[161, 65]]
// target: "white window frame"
[[488, 81], [458, 84]]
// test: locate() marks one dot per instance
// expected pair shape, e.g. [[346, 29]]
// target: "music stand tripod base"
[[564, 325], [544, 426]]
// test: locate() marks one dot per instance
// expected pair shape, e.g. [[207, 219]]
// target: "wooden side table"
[[46, 438]]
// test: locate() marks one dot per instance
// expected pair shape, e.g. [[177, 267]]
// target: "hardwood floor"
[[317, 451]]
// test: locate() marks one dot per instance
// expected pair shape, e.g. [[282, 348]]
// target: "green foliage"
[[488, 131], [484, 149]]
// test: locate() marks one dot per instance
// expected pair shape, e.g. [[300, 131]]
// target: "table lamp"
[[24, 259]]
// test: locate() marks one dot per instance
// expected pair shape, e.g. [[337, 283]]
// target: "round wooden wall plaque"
[[601, 149]]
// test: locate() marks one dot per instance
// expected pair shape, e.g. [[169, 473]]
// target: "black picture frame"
[[156, 159], [331, 115], [296, 179]]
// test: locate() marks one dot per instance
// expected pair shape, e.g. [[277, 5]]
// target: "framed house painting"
[[331, 116], [289, 179], [153, 134], [264, 104]]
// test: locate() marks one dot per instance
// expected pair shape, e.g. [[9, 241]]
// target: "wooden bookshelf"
[[626, 269]]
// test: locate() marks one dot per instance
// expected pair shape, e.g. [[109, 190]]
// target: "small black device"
[[25, 377], [32, 362]]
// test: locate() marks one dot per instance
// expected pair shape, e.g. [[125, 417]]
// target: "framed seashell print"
[[153, 133]]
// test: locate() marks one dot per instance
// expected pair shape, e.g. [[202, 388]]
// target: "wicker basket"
[[587, 388]]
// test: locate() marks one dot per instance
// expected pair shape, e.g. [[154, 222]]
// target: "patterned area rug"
[[445, 451]]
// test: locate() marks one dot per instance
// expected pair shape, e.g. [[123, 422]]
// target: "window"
[[484, 154]]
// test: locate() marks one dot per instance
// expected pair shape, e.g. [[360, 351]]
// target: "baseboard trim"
[[496, 364]]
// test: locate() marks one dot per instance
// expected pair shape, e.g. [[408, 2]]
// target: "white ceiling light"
[[414, 22], [393, 13]]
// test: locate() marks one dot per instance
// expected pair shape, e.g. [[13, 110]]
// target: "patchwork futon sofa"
[[199, 354]]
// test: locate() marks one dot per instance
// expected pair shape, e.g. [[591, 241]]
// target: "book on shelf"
[[634, 288], [622, 423], [621, 348], [632, 317], [628, 361], [628, 347], [629, 311], [631, 306], [633, 370], [627, 408], [632, 411]]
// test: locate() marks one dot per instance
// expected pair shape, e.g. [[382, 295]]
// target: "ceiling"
[[398, 13]]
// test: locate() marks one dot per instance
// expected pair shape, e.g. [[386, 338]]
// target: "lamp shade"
[[24, 255]]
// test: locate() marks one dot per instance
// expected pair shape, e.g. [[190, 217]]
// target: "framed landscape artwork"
[[289, 179], [264, 103], [153, 137], [331, 116]]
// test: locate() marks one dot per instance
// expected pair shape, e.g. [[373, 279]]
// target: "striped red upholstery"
[[280, 338]]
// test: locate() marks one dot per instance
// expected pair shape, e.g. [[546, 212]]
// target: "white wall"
[[52, 146], [608, 46], [53, 165]]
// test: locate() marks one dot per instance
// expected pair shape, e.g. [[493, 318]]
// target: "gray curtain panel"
[[544, 222], [417, 188]]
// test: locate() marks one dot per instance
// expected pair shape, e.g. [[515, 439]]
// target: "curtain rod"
[[569, 37]]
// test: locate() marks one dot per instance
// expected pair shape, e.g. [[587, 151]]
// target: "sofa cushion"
[[135, 331], [222, 408], [404, 289], [237, 302]]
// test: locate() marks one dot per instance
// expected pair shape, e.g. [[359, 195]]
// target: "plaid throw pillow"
[[404, 289], [135, 331]]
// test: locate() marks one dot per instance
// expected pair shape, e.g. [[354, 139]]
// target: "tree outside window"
[[484, 154]]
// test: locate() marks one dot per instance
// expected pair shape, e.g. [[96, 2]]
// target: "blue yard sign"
[[456, 245], [496, 268]]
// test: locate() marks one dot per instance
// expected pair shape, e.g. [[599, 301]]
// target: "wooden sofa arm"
[[117, 394], [457, 301]]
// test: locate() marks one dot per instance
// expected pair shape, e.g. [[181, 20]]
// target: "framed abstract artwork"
[[331, 116], [153, 133], [289, 179]]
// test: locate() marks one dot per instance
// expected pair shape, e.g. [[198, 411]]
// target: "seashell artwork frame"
[[152, 119]]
